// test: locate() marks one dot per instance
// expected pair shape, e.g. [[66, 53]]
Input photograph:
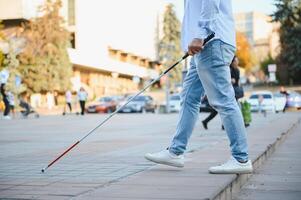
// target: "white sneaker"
[[7, 117], [166, 158], [232, 166]]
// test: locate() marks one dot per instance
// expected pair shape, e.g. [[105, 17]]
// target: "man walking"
[[68, 96], [209, 73], [82, 97]]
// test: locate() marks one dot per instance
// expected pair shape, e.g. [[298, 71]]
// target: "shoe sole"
[[232, 172], [164, 162]]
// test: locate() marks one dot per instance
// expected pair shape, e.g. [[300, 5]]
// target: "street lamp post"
[[167, 92], [167, 57]]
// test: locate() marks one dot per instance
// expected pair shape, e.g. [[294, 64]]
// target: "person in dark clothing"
[[209, 109], [235, 76], [234, 70], [82, 97], [23, 104], [27, 109], [285, 93], [6, 102]]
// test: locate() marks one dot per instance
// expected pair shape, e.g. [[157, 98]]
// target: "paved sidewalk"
[[280, 177], [192, 182], [110, 163]]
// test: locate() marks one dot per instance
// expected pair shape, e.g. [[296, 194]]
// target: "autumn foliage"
[[243, 51]]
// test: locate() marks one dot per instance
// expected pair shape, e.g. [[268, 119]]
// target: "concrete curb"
[[236, 183]]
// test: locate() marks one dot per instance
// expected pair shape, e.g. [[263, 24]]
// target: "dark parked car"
[[103, 105], [140, 104]]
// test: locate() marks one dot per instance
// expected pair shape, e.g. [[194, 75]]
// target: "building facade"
[[113, 46], [261, 32]]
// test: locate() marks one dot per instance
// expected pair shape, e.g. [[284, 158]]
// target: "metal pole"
[[167, 92]]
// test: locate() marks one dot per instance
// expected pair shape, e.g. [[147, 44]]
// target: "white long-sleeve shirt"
[[82, 95], [68, 96], [201, 17]]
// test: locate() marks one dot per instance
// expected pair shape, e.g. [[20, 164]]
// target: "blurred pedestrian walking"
[[27, 108], [68, 97], [82, 97], [11, 99], [207, 109], [235, 78], [4, 75], [286, 94]]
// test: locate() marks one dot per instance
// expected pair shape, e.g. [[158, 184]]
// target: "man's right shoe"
[[166, 158], [232, 166]]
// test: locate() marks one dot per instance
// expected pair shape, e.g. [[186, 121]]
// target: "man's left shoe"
[[166, 158], [232, 166]]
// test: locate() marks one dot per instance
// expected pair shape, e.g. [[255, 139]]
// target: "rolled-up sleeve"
[[208, 14]]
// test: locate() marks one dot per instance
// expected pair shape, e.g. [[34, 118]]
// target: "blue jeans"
[[210, 73]]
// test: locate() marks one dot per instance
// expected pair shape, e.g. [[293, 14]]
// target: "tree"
[[169, 45], [288, 14], [9, 61], [2, 38], [243, 51], [1, 60], [44, 62], [265, 63]]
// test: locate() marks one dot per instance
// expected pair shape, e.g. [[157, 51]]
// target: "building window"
[[123, 57], [71, 12]]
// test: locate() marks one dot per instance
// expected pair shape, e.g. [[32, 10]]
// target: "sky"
[[264, 6]]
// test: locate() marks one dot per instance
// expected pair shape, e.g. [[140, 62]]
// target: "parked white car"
[[280, 101], [174, 103], [269, 102]]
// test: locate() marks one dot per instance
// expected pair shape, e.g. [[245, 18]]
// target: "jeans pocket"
[[227, 53], [222, 54], [217, 58]]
